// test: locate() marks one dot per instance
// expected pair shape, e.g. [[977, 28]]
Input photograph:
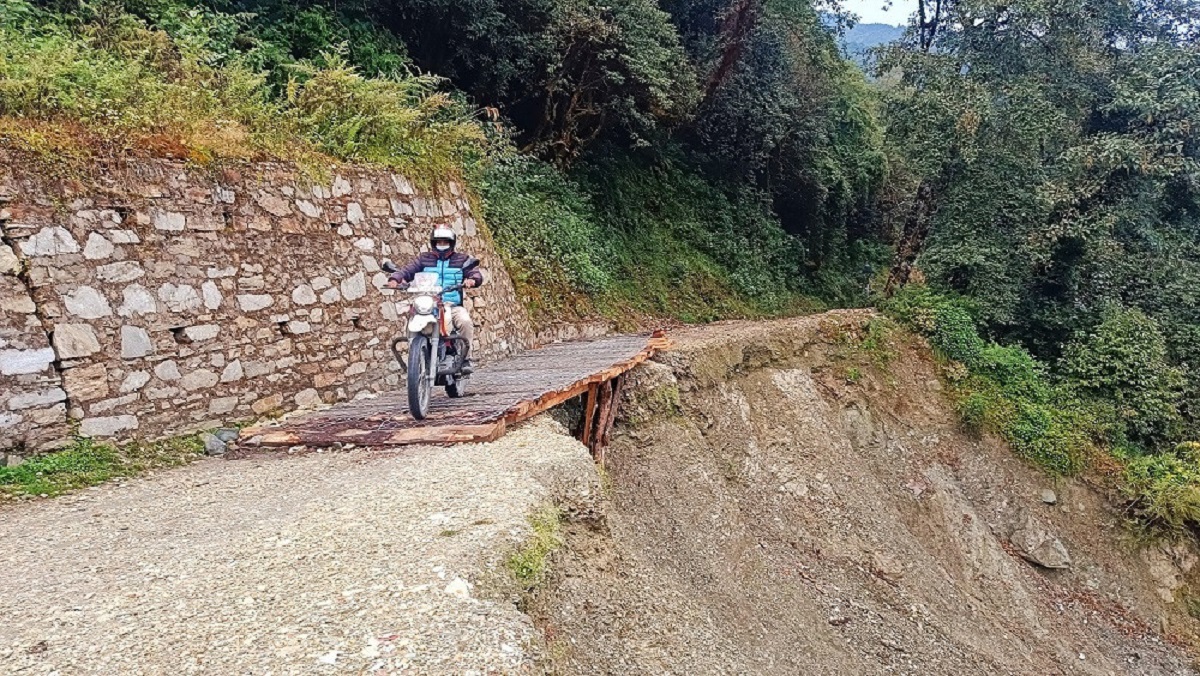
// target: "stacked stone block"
[[32, 398], [167, 298]]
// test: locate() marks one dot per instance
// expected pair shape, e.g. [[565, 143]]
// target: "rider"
[[447, 264]]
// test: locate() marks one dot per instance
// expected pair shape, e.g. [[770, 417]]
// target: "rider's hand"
[[470, 283], [392, 284]]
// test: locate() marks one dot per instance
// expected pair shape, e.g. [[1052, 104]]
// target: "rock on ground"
[[1038, 545], [321, 563]]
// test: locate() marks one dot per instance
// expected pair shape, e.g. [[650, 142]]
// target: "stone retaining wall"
[[166, 298]]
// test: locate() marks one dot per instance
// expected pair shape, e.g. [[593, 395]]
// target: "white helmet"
[[443, 233]]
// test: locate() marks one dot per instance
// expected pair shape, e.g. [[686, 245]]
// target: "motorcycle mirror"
[[471, 264], [388, 266]]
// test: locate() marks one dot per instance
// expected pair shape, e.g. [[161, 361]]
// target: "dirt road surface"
[[322, 563]]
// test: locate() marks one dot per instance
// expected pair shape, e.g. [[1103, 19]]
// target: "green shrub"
[[1118, 391], [1189, 451], [1005, 389], [913, 305], [1049, 435], [115, 81], [1124, 361], [878, 341], [1017, 372], [1164, 489], [975, 411], [955, 335], [947, 321], [688, 247], [137, 87], [619, 236], [545, 228], [399, 121]]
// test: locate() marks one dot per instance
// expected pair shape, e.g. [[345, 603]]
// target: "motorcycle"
[[435, 352]]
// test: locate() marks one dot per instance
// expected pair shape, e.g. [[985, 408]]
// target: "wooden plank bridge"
[[500, 394]]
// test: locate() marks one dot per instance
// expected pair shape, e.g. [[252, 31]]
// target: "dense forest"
[[1016, 180]]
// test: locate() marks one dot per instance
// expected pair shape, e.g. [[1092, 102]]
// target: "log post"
[[601, 416], [617, 384], [589, 415]]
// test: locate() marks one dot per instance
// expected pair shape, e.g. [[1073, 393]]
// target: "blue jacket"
[[447, 266]]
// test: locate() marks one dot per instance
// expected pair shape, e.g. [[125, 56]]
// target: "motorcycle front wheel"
[[419, 383]]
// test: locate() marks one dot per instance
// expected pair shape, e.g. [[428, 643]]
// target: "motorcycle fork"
[[433, 363]]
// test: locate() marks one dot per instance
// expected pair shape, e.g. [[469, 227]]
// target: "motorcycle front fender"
[[422, 324]]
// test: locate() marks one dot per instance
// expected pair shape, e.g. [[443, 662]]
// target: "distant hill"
[[858, 41]]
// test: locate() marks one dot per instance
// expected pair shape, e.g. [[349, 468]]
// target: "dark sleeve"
[[406, 273], [475, 274]]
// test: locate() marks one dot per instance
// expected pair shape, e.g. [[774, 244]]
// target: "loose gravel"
[[346, 562]]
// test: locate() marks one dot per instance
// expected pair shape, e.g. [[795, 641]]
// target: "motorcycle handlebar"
[[449, 289]]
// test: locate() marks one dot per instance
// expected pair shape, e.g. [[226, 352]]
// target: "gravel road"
[[348, 562]]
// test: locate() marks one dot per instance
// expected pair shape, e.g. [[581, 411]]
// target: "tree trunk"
[[736, 26], [912, 240], [928, 24]]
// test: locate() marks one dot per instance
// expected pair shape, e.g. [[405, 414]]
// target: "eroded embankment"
[[784, 500]]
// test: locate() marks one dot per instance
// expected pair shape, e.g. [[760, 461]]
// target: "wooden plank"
[[444, 435], [528, 409], [551, 399], [272, 437]]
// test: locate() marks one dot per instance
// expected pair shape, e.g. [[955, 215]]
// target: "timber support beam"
[[599, 415]]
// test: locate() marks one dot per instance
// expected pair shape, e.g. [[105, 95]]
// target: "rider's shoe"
[[468, 367]]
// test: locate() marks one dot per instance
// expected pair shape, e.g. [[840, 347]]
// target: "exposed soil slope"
[[768, 515]]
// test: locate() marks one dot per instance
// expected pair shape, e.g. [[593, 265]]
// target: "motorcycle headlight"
[[424, 305]]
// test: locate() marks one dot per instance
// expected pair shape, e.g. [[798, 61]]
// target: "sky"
[[872, 11]]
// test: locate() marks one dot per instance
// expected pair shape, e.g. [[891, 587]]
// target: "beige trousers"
[[462, 323]]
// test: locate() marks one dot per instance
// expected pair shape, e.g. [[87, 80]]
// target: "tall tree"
[[1051, 150]]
